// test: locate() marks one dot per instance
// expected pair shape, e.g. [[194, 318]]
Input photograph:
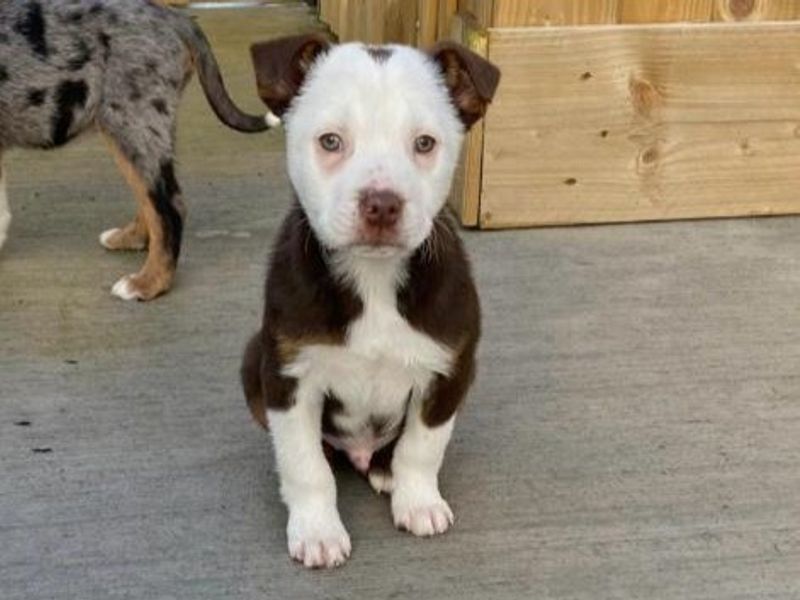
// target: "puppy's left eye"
[[330, 142], [424, 144]]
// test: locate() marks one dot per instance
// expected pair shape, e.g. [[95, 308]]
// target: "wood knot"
[[644, 96], [649, 156], [739, 10]]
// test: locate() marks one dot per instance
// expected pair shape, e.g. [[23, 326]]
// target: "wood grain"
[[756, 10], [447, 10], [466, 192], [479, 11], [428, 19], [665, 11], [642, 122], [516, 13]]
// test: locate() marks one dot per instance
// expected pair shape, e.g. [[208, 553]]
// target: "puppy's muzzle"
[[380, 212]]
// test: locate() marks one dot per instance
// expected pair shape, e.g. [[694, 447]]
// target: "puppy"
[[372, 318], [118, 65]]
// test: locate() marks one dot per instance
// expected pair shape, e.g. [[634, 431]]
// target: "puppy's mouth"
[[377, 244], [378, 238]]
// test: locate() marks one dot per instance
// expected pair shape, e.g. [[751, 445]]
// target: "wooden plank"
[[343, 25], [329, 14], [665, 11], [428, 15], [478, 12], [466, 192], [522, 13], [756, 10], [399, 22], [447, 10], [623, 123]]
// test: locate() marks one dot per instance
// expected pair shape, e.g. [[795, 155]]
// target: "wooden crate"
[[618, 110]]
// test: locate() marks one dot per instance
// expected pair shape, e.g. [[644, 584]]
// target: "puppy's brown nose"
[[380, 208]]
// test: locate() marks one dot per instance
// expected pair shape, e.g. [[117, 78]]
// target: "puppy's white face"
[[373, 140]]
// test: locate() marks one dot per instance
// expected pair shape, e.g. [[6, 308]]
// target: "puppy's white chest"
[[383, 360], [383, 363]]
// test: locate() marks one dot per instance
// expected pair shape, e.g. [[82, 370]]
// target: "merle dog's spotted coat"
[[119, 65]]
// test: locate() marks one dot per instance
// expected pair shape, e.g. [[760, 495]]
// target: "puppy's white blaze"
[[385, 105], [5, 213]]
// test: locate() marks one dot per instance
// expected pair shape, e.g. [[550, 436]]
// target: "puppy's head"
[[373, 133]]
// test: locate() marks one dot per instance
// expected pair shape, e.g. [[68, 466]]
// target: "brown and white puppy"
[[372, 318]]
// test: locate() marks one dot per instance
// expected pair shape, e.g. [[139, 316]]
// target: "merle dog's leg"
[[144, 155], [5, 212]]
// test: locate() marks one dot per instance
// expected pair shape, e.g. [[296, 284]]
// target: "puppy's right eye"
[[330, 142]]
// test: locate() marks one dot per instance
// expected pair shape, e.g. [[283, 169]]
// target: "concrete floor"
[[634, 431]]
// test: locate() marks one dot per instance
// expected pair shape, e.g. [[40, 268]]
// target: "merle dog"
[[121, 66]]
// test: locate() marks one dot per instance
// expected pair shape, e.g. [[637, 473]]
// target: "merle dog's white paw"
[[125, 289], [5, 221], [105, 237], [424, 515], [317, 538]]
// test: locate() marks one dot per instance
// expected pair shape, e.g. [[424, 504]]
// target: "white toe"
[[381, 481], [422, 518], [272, 119], [106, 235], [125, 290], [318, 541]]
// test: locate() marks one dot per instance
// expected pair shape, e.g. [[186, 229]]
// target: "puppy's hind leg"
[[5, 212]]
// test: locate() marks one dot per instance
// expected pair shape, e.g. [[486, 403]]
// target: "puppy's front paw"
[[317, 538], [423, 515]]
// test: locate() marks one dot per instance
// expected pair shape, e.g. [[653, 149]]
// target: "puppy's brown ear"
[[471, 79], [281, 66]]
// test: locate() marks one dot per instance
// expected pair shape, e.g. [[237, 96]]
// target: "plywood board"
[[665, 11], [622, 123]]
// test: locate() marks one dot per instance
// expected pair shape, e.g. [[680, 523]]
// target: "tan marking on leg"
[[156, 276], [290, 347], [251, 380]]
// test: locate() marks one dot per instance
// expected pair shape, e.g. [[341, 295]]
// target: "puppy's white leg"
[[5, 213], [417, 505], [315, 532]]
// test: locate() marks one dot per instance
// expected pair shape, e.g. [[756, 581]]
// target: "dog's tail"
[[211, 81]]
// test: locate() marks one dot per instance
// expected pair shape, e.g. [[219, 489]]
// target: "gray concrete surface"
[[634, 432]]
